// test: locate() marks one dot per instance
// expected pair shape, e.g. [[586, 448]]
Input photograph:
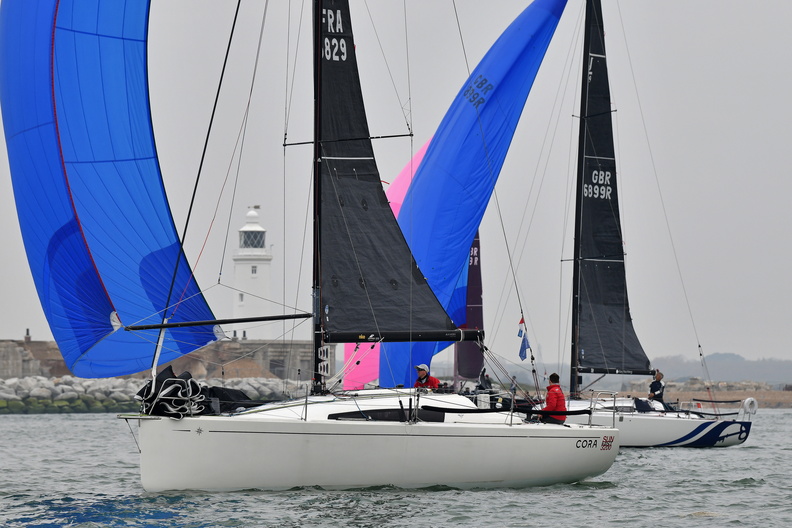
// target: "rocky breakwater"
[[67, 394], [37, 394]]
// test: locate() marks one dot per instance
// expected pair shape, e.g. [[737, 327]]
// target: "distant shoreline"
[[768, 399]]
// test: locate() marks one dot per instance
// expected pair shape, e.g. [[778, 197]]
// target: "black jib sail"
[[370, 288], [604, 340]]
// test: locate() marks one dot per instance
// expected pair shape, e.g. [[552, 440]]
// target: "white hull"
[[274, 448], [665, 428]]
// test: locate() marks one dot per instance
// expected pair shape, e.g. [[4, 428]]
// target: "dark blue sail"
[[98, 232], [452, 187]]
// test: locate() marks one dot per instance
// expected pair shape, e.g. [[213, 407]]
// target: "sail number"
[[600, 185], [475, 93], [334, 49], [474, 257]]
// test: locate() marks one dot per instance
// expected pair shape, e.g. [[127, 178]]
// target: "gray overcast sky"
[[712, 78]]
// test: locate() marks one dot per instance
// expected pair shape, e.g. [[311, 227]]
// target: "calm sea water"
[[81, 471]]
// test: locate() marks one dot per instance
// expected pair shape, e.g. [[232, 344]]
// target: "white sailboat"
[[404, 438], [647, 423], [77, 122], [603, 338]]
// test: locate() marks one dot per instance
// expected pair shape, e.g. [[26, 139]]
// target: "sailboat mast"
[[603, 336], [592, 7], [317, 378]]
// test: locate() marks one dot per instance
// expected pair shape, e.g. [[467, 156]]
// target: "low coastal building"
[[232, 358]]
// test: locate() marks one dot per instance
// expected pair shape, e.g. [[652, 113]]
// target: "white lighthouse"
[[252, 277]]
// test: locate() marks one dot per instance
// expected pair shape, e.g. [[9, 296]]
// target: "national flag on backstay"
[[524, 344]]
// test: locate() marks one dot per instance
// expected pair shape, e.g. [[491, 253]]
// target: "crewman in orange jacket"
[[554, 401]]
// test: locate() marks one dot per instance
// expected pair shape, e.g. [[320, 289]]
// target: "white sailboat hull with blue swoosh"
[[660, 427]]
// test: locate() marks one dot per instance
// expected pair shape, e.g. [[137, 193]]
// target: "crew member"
[[554, 401], [657, 387], [424, 379]]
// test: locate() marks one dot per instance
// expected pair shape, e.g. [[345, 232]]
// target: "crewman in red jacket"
[[424, 379], [554, 401]]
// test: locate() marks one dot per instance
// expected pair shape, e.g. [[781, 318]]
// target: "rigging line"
[[410, 258], [562, 329], [565, 332], [306, 229], [571, 204], [492, 359], [289, 85], [387, 67], [487, 352], [587, 297], [490, 172], [142, 337], [347, 364], [357, 356], [412, 169], [239, 146], [287, 97], [133, 436], [489, 166], [203, 157], [412, 144], [706, 369], [626, 321], [549, 137], [461, 38], [248, 354], [239, 290], [166, 308], [348, 231], [657, 181], [409, 78]]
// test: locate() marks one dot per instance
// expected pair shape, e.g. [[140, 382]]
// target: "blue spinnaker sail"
[[449, 194], [97, 228]]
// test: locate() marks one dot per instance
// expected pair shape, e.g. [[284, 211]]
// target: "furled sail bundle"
[[446, 200], [100, 239]]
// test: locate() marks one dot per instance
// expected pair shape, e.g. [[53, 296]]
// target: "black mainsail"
[[603, 337], [367, 286]]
